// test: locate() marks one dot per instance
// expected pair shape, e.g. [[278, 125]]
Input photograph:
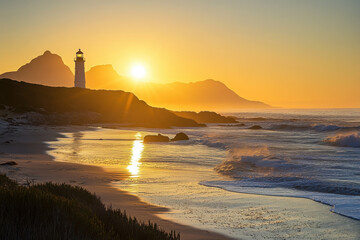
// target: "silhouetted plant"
[[61, 211]]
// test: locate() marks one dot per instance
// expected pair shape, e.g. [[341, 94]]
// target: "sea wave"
[[258, 167], [215, 144], [344, 140], [344, 204], [325, 128], [253, 162], [266, 119], [295, 127], [300, 126], [304, 184], [314, 127], [258, 170]]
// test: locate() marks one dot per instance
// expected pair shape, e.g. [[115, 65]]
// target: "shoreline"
[[26, 145], [331, 207]]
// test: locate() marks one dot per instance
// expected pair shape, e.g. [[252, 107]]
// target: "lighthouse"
[[79, 70]]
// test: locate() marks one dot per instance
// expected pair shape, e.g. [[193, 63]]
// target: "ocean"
[[242, 182]]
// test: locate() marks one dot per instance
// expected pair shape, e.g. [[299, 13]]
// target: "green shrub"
[[61, 211]]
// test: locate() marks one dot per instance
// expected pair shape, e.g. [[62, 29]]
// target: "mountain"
[[203, 95], [62, 105], [105, 77], [47, 69]]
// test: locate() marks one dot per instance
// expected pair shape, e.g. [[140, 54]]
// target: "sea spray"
[[256, 162], [242, 162]]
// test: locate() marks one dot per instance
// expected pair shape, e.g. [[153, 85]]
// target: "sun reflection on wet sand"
[[137, 149]]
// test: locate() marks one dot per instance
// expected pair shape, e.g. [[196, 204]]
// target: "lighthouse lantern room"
[[79, 70]]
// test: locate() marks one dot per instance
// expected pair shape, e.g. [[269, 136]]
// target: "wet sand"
[[26, 146]]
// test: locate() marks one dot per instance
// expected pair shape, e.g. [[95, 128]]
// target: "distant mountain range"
[[49, 69], [202, 95]]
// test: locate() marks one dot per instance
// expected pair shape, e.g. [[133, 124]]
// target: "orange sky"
[[295, 54]]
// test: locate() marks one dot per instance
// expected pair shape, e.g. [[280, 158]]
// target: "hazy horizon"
[[298, 54]]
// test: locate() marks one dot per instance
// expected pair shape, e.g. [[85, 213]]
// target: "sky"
[[287, 53]]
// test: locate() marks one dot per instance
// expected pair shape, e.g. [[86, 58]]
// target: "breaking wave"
[[253, 162], [258, 165], [344, 140], [259, 171]]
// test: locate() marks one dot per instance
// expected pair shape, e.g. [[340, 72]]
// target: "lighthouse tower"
[[79, 70]]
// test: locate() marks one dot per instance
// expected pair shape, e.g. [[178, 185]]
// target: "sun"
[[138, 71]]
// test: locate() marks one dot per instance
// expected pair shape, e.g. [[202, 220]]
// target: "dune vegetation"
[[61, 211]]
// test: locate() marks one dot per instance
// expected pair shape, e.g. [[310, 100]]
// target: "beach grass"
[[62, 211]]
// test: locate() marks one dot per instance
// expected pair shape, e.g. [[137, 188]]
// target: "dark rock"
[[156, 138], [232, 125], [10, 163], [180, 137], [206, 117], [255, 127]]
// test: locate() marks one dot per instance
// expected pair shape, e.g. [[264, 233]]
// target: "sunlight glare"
[[138, 71], [138, 135], [135, 163]]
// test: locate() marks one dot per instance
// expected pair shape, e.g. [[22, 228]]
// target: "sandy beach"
[[26, 146], [198, 212]]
